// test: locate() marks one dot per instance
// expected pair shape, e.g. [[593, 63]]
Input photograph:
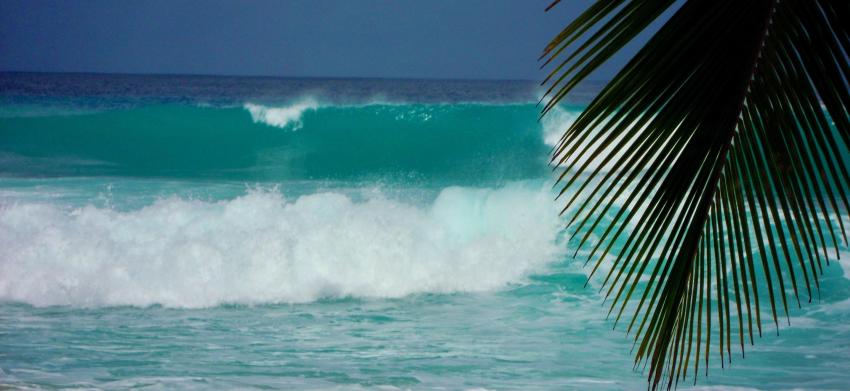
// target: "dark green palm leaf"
[[731, 128]]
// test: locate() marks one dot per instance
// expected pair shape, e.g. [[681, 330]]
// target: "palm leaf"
[[731, 129]]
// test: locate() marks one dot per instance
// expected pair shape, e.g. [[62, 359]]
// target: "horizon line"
[[177, 74]]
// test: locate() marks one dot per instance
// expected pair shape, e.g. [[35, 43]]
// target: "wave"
[[263, 248], [466, 144]]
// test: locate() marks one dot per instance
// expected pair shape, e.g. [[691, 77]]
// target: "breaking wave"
[[263, 248]]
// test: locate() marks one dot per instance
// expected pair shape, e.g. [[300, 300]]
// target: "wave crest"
[[555, 123], [281, 117]]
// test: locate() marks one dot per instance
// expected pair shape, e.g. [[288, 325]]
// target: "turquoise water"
[[267, 143], [196, 233]]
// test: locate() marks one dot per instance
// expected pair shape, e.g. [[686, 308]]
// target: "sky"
[[442, 39]]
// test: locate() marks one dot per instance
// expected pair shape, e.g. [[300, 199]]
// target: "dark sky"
[[473, 39]]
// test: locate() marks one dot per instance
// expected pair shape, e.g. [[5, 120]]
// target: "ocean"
[[198, 232]]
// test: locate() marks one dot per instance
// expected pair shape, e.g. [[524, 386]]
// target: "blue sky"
[[471, 39]]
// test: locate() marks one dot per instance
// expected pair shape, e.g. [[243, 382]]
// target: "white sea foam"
[[262, 248], [555, 123], [281, 117]]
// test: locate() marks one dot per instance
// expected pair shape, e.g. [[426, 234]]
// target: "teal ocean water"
[[176, 232]]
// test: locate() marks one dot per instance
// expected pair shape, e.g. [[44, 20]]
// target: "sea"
[[210, 232]]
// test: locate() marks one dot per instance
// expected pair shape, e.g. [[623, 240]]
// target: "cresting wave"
[[553, 124], [263, 248], [463, 143]]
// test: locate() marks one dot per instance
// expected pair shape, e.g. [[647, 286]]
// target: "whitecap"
[[263, 248], [281, 117]]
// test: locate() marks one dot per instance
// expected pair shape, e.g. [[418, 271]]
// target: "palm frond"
[[731, 132]]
